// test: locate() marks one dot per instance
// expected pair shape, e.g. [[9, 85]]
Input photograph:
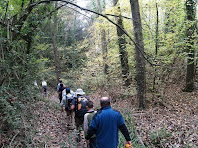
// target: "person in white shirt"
[[44, 85]]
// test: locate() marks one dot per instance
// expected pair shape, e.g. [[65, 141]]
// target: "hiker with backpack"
[[58, 86], [79, 106], [87, 120], [105, 124], [61, 88], [66, 103]]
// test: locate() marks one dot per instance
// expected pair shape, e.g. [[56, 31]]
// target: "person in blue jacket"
[[105, 124]]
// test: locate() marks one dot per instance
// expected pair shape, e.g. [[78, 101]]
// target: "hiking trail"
[[51, 125]]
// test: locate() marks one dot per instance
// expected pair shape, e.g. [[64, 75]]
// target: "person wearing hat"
[[79, 105]]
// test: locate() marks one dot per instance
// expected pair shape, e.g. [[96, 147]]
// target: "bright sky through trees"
[[82, 3]]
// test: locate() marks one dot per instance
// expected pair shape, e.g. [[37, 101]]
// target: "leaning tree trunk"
[[140, 61], [190, 12], [104, 42], [56, 55], [122, 49]]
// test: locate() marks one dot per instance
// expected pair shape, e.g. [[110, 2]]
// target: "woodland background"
[[144, 58]]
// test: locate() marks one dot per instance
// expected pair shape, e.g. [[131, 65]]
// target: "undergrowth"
[[129, 121], [15, 111]]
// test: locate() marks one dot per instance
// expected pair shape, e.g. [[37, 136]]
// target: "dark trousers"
[[45, 90], [60, 97], [92, 142], [79, 121]]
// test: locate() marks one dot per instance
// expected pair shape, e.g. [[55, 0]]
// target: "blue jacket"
[[105, 125]]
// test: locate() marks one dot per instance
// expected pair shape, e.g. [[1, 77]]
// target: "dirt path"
[[51, 129], [172, 124]]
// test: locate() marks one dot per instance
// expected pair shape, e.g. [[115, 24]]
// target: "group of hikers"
[[101, 126]]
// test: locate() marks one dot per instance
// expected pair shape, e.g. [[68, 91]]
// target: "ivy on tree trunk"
[[139, 46], [190, 74]]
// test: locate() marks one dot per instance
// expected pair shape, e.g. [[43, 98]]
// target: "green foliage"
[[9, 111], [15, 109], [129, 121], [159, 137], [81, 54]]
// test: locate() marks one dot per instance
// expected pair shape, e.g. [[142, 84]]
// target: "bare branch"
[[103, 15], [32, 5], [6, 11]]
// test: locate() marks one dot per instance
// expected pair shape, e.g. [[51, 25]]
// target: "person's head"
[[105, 101], [89, 105], [80, 92], [60, 81], [67, 90]]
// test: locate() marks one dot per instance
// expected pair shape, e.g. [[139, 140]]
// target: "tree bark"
[[122, 49], [156, 42], [140, 62], [104, 42], [191, 13], [56, 54]]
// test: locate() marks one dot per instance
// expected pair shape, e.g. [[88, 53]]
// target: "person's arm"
[[63, 102], [85, 124], [92, 128], [58, 87], [72, 107], [125, 132], [124, 129], [90, 132], [73, 103]]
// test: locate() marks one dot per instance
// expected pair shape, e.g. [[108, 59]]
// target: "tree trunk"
[[140, 61], [156, 42], [122, 49], [104, 42], [190, 12], [56, 55]]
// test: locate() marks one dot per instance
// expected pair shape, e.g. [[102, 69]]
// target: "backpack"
[[81, 109], [69, 98]]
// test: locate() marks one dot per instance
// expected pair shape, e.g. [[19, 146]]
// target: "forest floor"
[[52, 129], [172, 122]]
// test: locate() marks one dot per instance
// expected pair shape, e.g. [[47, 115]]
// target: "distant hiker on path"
[[105, 125], [44, 86], [66, 103], [58, 86], [60, 92], [87, 120]]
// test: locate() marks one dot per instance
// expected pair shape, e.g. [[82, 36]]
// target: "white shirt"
[[64, 101], [85, 123], [44, 83]]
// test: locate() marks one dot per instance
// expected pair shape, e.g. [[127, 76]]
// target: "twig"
[[140, 139], [14, 138], [138, 114]]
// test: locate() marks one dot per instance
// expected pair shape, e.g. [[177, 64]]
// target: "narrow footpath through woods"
[[172, 123], [51, 127]]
